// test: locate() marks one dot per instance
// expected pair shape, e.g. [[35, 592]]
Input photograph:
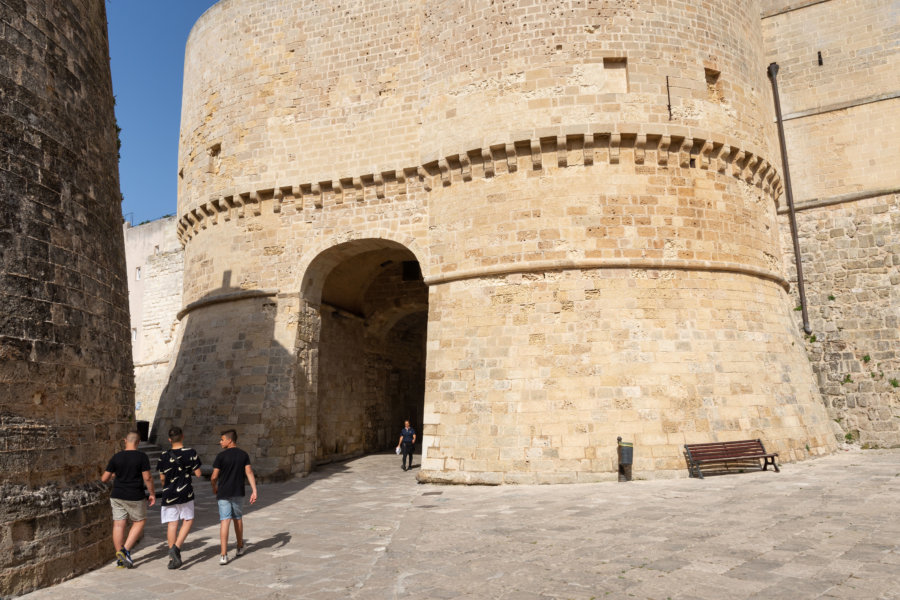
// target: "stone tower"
[[529, 227], [66, 391]]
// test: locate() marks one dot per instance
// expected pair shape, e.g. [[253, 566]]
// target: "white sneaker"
[[223, 560], [240, 551]]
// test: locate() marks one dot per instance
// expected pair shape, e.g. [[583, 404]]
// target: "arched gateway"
[[590, 195], [370, 310]]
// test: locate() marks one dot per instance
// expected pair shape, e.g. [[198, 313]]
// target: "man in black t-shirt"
[[130, 472], [229, 469], [175, 467]]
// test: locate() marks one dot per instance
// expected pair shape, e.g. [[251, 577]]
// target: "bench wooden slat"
[[735, 451]]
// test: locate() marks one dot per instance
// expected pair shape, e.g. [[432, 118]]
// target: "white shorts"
[[177, 512]]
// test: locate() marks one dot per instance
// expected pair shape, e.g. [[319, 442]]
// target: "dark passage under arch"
[[371, 360]]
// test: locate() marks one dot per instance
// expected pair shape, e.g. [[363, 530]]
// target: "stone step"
[[152, 451]]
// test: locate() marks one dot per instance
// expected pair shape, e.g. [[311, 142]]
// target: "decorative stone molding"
[[229, 297], [544, 266], [576, 147]]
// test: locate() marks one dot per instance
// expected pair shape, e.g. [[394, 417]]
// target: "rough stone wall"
[[154, 301], [843, 133], [372, 371], [851, 255], [498, 145], [66, 389]]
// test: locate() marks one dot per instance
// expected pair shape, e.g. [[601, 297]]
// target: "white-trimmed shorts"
[[177, 512]]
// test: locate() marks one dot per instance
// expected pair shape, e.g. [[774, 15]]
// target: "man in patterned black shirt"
[[175, 468]]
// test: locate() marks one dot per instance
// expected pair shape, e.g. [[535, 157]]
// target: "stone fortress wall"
[[588, 189], [66, 389], [842, 126], [155, 266]]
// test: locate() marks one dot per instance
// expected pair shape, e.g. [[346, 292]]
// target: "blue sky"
[[146, 47]]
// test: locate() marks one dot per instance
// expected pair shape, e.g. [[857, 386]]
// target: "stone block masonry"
[[587, 192], [66, 389], [840, 85]]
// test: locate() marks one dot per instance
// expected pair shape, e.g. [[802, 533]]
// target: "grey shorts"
[[136, 510]]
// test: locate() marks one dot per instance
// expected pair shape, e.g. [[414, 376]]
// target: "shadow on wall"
[[356, 372], [230, 372]]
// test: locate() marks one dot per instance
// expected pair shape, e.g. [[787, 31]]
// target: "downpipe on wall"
[[789, 195]]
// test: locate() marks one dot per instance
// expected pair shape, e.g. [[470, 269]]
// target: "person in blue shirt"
[[406, 443]]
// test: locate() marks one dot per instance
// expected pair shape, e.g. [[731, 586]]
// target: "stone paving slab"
[[364, 529]]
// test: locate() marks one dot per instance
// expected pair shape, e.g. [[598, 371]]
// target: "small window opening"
[[134, 335], [615, 68], [137, 274], [820, 58], [155, 249], [214, 159], [714, 85]]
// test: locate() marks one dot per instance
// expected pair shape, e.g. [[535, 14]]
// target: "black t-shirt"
[[231, 463], [407, 434], [177, 465], [128, 466]]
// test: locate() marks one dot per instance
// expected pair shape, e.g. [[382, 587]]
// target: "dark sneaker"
[[120, 564], [172, 558], [125, 557], [177, 557]]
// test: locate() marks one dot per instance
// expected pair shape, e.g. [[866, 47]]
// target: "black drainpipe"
[[789, 195]]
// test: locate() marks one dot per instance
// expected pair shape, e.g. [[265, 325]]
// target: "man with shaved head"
[[130, 472]]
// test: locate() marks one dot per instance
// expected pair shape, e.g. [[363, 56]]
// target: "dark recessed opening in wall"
[[820, 57], [714, 85], [371, 349], [214, 161], [615, 70], [411, 270]]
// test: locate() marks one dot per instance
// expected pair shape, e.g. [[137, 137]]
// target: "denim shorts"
[[230, 508]]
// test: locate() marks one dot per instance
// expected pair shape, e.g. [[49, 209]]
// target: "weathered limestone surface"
[[66, 390], [590, 194], [843, 137], [155, 266], [851, 254]]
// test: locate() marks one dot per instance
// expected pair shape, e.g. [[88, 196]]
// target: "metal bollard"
[[626, 458]]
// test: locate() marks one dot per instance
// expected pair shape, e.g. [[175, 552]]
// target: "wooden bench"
[[725, 452]]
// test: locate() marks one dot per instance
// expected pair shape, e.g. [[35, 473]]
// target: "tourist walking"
[[175, 467], [230, 468], [130, 473], [406, 444]]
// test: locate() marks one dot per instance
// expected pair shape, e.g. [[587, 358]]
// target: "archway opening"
[[371, 349]]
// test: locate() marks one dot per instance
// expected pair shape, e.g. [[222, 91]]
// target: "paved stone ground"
[[825, 528]]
